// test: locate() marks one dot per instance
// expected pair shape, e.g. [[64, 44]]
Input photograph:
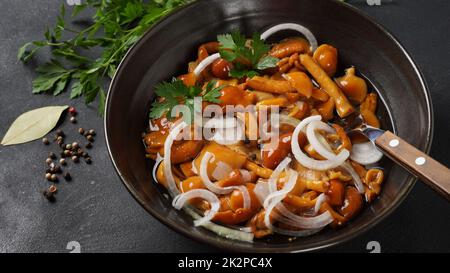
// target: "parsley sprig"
[[114, 28], [176, 93], [249, 58]]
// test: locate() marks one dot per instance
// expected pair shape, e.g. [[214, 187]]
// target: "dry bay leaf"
[[33, 125]]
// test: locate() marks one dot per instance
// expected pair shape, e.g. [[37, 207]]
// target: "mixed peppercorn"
[[73, 151]]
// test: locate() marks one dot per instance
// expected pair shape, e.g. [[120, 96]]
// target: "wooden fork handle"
[[433, 173]]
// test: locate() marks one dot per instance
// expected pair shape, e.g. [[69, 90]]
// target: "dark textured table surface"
[[97, 211]]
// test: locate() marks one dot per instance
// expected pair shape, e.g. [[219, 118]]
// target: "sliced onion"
[[281, 194], [180, 200], [291, 26], [247, 202], [320, 165], [287, 217], [289, 120], [356, 179], [246, 176], [316, 143], [204, 176], [173, 190], [319, 201], [221, 190], [261, 190], [204, 64], [158, 160], [194, 168], [276, 173], [275, 197], [365, 153], [221, 171], [229, 233]]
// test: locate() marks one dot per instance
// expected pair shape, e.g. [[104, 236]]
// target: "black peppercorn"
[[88, 160], [48, 176], [91, 132], [57, 169], [81, 131], [59, 132], [75, 159], [67, 176], [90, 138], [45, 141], [73, 119], [52, 155], [49, 196], [88, 145]]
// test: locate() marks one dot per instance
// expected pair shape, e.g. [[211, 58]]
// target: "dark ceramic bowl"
[[165, 50]]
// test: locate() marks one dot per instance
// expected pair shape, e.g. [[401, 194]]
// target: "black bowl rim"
[[334, 241]]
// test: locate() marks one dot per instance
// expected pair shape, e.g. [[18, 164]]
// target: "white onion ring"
[[365, 153], [294, 220], [180, 200], [221, 190], [291, 26], [246, 176], [313, 224], [276, 173], [158, 160], [261, 191], [221, 171], [320, 165], [204, 63], [278, 196], [247, 201], [356, 179], [227, 232], [314, 140], [281, 194], [319, 201], [288, 120], [173, 190]]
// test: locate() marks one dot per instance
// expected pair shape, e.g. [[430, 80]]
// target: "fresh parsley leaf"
[[175, 93], [77, 90], [267, 62], [226, 41], [212, 93], [236, 73], [249, 58], [114, 28]]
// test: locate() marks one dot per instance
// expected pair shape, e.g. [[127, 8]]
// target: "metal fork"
[[416, 162]]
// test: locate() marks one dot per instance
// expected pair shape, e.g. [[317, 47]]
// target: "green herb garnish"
[[115, 27], [249, 58], [176, 93]]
